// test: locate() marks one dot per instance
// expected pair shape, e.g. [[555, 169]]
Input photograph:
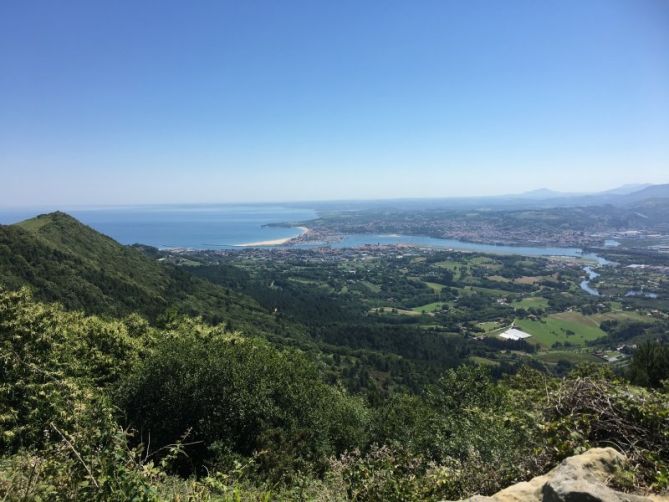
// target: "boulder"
[[581, 478]]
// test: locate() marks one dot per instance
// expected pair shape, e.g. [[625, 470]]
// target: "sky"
[[131, 102]]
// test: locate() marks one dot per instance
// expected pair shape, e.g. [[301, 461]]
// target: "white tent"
[[514, 334]]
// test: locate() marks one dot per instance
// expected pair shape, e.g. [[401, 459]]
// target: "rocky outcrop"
[[582, 478]]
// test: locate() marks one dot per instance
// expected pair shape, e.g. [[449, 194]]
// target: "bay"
[[183, 226]]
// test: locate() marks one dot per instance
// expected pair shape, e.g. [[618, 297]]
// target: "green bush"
[[51, 363], [466, 435], [650, 365], [237, 397], [57, 430], [256, 423]]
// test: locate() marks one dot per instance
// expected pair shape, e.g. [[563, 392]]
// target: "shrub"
[[588, 411], [237, 397]]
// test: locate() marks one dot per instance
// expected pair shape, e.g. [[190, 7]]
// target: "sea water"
[[184, 226]]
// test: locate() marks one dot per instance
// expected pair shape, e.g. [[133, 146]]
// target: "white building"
[[514, 334]]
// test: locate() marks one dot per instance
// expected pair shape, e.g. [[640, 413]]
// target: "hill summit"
[[63, 260]]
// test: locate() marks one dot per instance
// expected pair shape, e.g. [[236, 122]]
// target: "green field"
[[499, 278], [389, 310], [555, 328], [459, 269], [483, 361], [449, 265], [435, 287], [485, 261], [430, 307], [536, 302], [571, 356], [488, 326], [621, 315], [372, 287], [311, 282]]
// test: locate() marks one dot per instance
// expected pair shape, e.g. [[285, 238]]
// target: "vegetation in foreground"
[[131, 374], [120, 410]]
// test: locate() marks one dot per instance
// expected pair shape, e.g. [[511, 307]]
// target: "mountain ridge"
[[65, 261]]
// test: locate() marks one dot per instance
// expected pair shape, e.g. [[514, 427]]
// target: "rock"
[[582, 478]]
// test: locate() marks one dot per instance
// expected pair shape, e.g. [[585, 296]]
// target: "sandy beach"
[[274, 242]]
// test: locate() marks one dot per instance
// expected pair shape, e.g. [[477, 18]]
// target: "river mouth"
[[361, 240]]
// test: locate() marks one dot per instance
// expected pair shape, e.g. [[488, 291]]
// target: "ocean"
[[183, 226]]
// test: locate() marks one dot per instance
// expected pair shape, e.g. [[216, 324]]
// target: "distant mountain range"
[[534, 199], [540, 193], [629, 188], [623, 195], [546, 193]]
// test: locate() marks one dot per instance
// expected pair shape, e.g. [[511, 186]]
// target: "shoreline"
[[273, 242]]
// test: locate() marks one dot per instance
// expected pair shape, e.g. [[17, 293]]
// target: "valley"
[[472, 296], [240, 370]]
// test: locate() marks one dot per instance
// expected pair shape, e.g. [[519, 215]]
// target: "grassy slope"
[[66, 261], [435, 286], [95, 250], [430, 307], [528, 302], [554, 328]]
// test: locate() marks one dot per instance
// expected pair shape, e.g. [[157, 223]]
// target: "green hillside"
[[65, 261], [109, 410]]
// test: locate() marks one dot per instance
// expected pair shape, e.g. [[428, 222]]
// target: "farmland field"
[[430, 307], [435, 287], [572, 330], [536, 302]]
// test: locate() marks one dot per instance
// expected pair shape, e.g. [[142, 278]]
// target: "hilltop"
[[63, 260]]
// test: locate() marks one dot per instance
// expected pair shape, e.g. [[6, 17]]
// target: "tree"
[[237, 396], [650, 364]]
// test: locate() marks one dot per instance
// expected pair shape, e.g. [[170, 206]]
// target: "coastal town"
[[563, 227]]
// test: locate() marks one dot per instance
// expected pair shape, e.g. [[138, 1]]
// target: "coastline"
[[273, 242]]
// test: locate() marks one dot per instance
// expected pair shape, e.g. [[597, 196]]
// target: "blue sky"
[[164, 101]]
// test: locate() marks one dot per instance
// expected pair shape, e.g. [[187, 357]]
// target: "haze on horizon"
[[140, 102]]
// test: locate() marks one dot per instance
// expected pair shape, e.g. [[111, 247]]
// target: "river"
[[585, 284], [358, 240]]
